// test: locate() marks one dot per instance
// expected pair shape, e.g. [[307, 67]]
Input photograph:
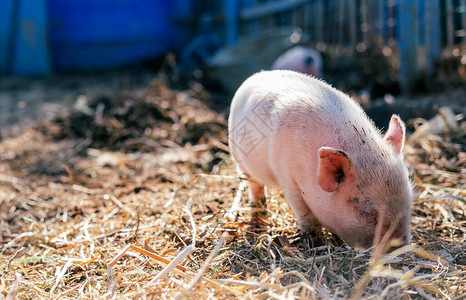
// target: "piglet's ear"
[[395, 135], [335, 167]]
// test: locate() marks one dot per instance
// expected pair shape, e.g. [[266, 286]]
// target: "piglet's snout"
[[404, 239], [399, 239]]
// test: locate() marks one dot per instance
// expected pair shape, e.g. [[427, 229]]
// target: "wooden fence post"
[[341, 22], [319, 20], [391, 22], [407, 44], [232, 21], [364, 27], [450, 25], [352, 20], [463, 19], [379, 21], [432, 34], [307, 20]]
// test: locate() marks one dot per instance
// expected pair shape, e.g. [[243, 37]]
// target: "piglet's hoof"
[[259, 219], [311, 240]]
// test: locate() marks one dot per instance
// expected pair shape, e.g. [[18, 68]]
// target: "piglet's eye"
[[368, 217], [367, 214]]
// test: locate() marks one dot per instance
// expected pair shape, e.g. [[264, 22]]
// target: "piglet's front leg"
[[311, 229]]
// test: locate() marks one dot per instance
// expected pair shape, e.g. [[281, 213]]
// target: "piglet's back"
[[274, 103]]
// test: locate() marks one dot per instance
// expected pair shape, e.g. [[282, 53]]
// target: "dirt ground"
[[117, 186]]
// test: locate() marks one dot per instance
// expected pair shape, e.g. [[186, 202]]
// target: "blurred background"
[[113, 135], [382, 52]]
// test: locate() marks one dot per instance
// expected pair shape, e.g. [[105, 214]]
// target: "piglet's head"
[[376, 193]]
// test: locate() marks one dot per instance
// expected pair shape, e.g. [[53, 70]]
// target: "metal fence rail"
[[429, 28]]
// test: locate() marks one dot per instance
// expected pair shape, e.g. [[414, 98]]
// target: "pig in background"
[[296, 132], [300, 59]]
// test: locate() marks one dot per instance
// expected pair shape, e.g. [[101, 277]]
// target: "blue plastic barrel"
[[41, 36], [93, 34]]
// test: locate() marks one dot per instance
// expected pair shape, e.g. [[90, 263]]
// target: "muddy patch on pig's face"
[[359, 217], [366, 212], [375, 208]]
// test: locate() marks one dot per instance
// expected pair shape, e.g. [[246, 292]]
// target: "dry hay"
[[85, 215]]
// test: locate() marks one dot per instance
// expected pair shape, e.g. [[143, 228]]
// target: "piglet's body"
[[295, 132]]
